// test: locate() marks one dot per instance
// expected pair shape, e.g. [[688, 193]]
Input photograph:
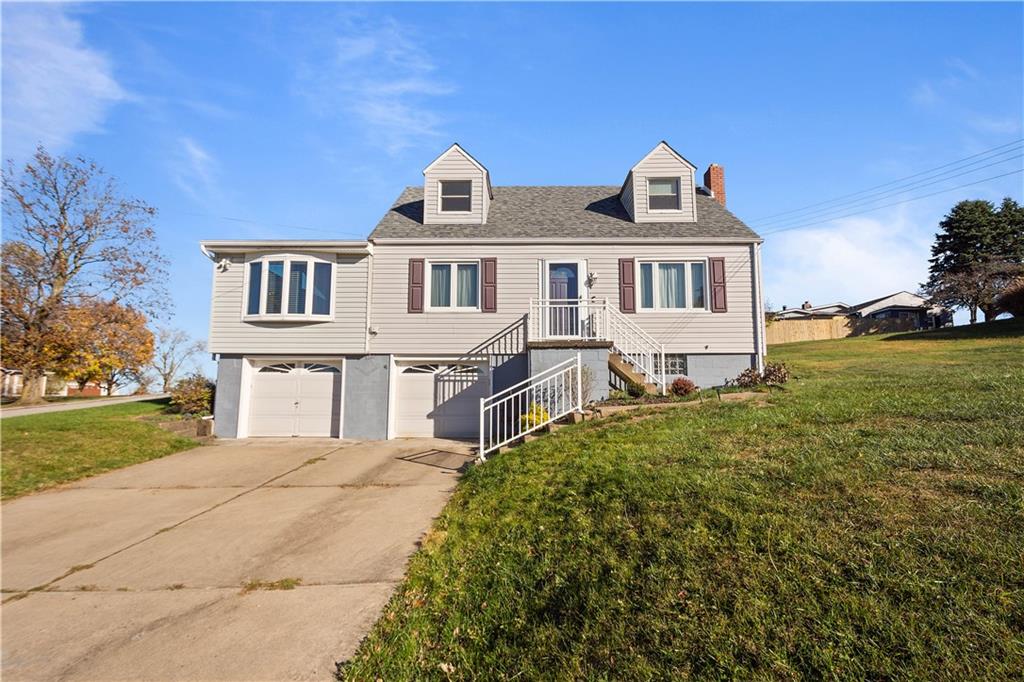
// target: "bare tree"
[[71, 239], [174, 348]]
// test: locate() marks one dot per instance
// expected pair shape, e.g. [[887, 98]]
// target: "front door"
[[564, 292]]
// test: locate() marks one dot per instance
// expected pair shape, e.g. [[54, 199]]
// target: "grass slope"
[[867, 523], [44, 450]]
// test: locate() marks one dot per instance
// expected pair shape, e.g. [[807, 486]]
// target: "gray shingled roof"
[[587, 212]]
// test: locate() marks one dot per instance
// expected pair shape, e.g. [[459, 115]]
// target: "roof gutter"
[[233, 246], [417, 241]]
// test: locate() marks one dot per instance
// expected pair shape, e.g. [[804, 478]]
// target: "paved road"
[[141, 569], [75, 405]]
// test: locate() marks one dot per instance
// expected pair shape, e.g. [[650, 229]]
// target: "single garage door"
[[296, 399], [440, 399]]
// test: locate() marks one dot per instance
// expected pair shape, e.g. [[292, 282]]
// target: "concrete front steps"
[[624, 370]]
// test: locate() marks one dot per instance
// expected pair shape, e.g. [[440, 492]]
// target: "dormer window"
[[663, 194], [289, 287], [455, 196]]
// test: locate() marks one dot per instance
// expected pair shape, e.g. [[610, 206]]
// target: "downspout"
[[759, 323]]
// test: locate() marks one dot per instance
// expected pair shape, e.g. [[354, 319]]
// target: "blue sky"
[[306, 120]]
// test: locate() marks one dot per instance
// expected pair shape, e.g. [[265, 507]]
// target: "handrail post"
[[483, 457], [579, 382], [661, 350]]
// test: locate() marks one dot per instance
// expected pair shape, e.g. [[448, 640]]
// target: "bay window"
[[672, 285], [289, 287], [455, 286]]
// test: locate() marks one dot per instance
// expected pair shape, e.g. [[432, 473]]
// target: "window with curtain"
[[663, 194], [456, 195], [455, 285], [672, 285], [289, 286], [275, 287], [297, 287]]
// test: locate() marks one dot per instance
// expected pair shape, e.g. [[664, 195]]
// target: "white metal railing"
[[598, 320], [530, 405]]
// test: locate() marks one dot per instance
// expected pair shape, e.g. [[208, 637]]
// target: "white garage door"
[[296, 399], [440, 399]]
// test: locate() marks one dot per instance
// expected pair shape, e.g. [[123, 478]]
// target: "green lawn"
[[868, 523], [43, 450]]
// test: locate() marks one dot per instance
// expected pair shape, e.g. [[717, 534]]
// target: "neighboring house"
[[465, 289], [905, 306], [901, 305], [13, 382]]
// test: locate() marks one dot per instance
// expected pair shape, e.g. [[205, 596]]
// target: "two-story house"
[[466, 288]]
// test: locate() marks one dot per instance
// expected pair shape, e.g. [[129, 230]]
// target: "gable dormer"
[[660, 188], [456, 189]]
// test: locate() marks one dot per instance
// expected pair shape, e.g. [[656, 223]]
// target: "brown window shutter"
[[718, 300], [627, 285], [489, 302], [415, 285]]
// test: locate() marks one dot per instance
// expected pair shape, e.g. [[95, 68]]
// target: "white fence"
[[530, 405]]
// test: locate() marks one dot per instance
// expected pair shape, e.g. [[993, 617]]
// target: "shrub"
[[535, 415], [193, 395], [635, 389], [748, 378], [775, 373], [683, 386]]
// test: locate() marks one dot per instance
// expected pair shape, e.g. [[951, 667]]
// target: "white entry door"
[[440, 400], [296, 399]]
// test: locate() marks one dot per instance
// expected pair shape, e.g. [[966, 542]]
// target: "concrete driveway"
[[138, 573]]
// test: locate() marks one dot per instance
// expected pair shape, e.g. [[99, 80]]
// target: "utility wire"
[[897, 203], [823, 214], [891, 182], [265, 224]]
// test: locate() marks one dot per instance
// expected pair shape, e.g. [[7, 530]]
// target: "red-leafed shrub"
[[775, 373], [748, 378], [683, 386]]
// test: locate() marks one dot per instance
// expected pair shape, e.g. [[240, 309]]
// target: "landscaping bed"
[[870, 525]]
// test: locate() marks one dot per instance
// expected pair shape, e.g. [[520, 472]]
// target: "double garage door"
[[440, 399], [296, 399], [433, 399]]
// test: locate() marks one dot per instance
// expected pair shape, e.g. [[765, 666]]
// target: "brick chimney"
[[714, 180]]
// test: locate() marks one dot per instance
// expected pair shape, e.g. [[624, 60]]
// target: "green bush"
[[193, 395], [635, 389]]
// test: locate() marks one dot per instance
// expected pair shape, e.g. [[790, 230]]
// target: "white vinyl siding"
[[341, 333], [454, 165], [442, 332], [626, 196], [662, 164]]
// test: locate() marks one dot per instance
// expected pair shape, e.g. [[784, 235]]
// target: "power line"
[[823, 214], [891, 182], [897, 203], [266, 224]]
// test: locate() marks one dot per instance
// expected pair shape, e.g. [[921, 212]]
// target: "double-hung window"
[[456, 196], [455, 285], [669, 285], [663, 194], [289, 287]]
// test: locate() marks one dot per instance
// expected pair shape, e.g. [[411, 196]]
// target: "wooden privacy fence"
[[791, 331]]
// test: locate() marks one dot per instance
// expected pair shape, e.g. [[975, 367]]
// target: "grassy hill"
[[867, 523]]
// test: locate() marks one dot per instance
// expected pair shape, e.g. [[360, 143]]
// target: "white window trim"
[[679, 195], [284, 315], [440, 196], [658, 308], [454, 293]]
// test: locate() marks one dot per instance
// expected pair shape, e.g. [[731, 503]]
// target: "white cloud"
[[850, 260], [194, 170], [54, 86], [378, 73], [1007, 125], [924, 95]]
